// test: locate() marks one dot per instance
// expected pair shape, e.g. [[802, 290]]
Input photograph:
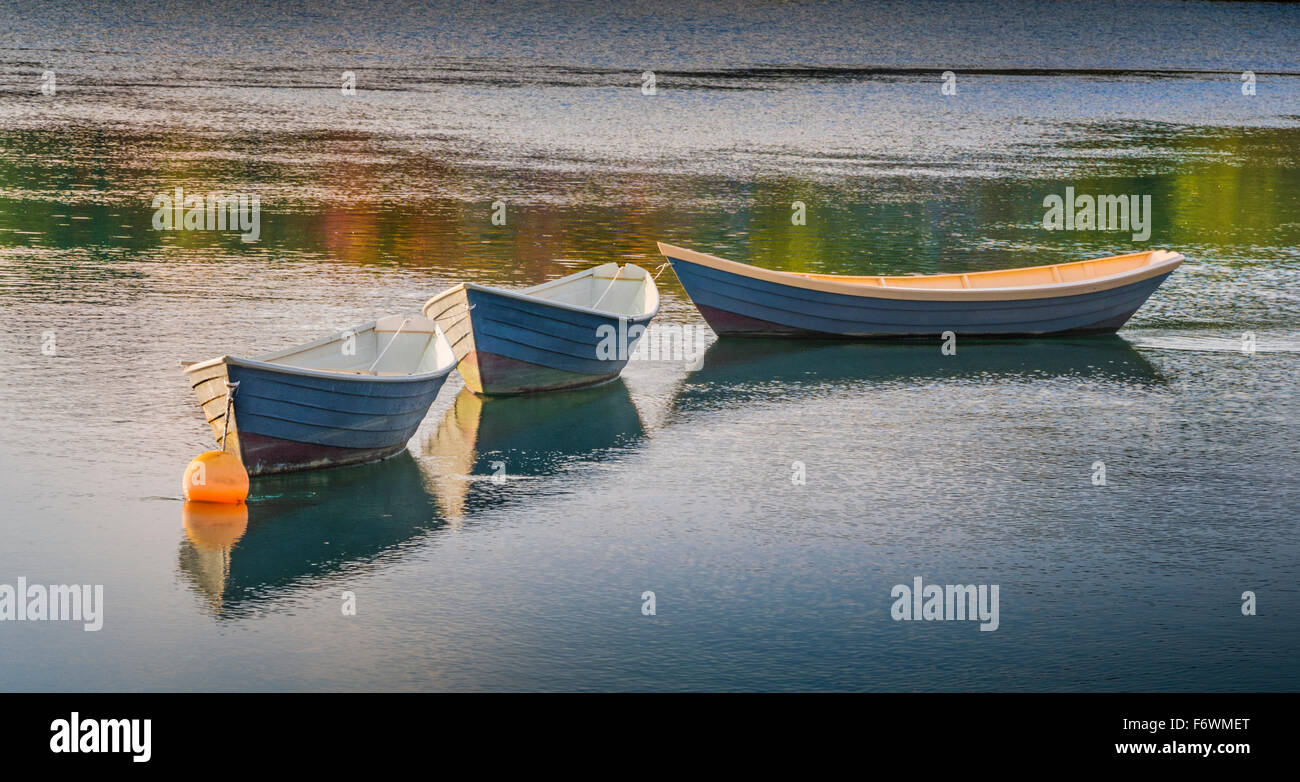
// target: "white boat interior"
[[392, 345], [618, 290]]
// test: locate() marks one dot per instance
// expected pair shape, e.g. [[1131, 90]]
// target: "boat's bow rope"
[[457, 320], [230, 401]]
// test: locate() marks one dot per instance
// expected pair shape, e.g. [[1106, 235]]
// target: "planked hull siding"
[[509, 345], [285, 421], [736, 304]]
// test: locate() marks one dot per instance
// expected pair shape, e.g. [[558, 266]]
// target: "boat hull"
[[507, 345], [284, 421], [735, 304]]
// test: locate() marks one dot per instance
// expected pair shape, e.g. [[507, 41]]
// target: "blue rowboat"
[[572, 332], [1083, 297], [357, 396]]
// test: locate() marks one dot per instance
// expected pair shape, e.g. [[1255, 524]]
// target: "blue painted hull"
[[341, 413], [735, 304], [285, 421], [517, 345], [546, 335]]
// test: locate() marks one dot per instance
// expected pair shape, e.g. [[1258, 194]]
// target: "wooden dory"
[[357, 396], [1083, 297], [551, 336]]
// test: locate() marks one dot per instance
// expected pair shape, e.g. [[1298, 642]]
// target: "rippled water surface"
[[968, 469]]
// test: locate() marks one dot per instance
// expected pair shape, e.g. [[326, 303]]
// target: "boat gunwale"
[[1153, 268], [329, 374], [529, 294]]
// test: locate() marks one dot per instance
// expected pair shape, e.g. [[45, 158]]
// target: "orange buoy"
[[215, 476]]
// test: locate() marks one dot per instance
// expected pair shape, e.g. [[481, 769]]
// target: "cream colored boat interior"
[[618, 290], [393, 345], [1075, 271]]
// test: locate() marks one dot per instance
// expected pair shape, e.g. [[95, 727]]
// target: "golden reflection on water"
[[1222, 193], [212, 530]]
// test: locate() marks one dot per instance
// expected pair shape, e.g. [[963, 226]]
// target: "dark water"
[[973, 468]]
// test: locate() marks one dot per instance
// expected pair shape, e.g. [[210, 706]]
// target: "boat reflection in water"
[[484, 447], [304, 525], [737, 370]]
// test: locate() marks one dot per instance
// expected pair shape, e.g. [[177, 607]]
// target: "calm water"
[[973, 468]]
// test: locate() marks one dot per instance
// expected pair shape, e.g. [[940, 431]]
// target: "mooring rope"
[[230, 401], [462, 317]]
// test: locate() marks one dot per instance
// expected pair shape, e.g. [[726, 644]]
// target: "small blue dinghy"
[[1081, 297], [572, 332], [357, 396]]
